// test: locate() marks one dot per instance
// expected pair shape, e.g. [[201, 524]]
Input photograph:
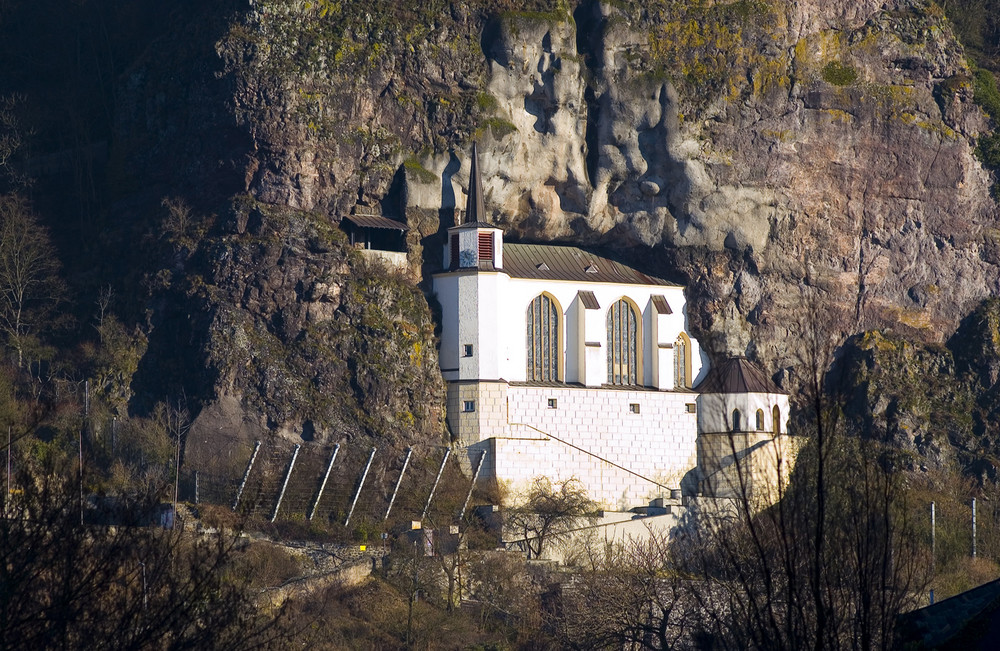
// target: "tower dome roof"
[[737, 375]]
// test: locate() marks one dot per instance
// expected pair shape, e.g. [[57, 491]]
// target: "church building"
[[566, 363]]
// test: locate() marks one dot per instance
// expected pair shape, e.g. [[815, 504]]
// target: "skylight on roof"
[[591, 269], [542, 267]]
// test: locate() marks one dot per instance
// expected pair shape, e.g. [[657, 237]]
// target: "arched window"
[[542, 326], [623, 331], [736, 420], [760, 420], [682, 362], [776, 420]]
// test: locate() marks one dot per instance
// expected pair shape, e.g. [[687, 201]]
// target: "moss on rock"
[[838, 74]]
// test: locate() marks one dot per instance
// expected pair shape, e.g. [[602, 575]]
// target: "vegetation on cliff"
[[977, 24], [70, 581], [308, 331], [938, 403]]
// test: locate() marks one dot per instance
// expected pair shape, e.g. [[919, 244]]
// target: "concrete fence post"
[[933, 539], [322, 485], [361, 484], [284, 485], [973, 527], [472, 486], [392, 500], [246, 475], [437, 479]]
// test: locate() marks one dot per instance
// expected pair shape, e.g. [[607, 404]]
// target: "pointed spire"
[[475, 209]]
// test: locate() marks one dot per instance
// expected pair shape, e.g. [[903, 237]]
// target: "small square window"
[[691, 408], [468, 405], [467, 350], [633, 407], [553, 403]]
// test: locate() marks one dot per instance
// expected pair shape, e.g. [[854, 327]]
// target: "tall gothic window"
[[623, 331], [760, 420], [776, 420], [543, 340], [736, 420], [682, 362]]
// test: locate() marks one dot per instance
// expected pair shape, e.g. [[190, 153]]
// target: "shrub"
[[988, 150], [486, 102], [986, 94]]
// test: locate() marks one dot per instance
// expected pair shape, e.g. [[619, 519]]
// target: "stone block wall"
[[623, 458], [489, 415], [765, 462]]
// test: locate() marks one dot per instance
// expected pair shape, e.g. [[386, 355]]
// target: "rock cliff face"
[[761, 151], [783, 159], [939, 403], [296, 334]]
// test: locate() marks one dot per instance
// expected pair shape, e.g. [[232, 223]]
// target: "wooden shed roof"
[[374, 221]]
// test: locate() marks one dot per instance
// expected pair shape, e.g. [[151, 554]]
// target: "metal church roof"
[[737, 375], [553, 262]]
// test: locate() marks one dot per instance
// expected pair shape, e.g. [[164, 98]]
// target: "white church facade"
[[565, 363]]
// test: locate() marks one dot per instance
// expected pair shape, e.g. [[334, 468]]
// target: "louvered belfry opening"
[[486, 246], [454, 252]]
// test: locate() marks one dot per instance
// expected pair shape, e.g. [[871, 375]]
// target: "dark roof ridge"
[[474, 225]]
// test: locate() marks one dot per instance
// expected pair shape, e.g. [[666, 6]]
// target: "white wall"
[[715, 411], [446, 290], [614, 528], [469, 305], [519, 292], [624, 459], [470, 316], [391, 259]]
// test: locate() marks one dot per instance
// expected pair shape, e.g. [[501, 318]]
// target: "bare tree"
[[30, 287], [826, 556], [105, 297], [12, 137], [126, 586], [632, 597], [766, 581], [834, 559], [507, 594], [550, 512]]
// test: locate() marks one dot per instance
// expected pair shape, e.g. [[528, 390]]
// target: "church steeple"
[[475, 243], [475, 208]]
